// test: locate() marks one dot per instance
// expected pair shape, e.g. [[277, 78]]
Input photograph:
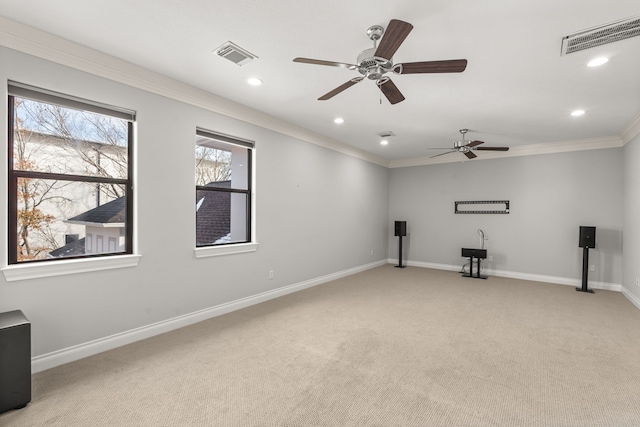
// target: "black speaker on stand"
[[587, 240], [400, 231]]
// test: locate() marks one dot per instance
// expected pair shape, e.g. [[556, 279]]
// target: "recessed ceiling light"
[[596, 62], [338, 120], [254, 81], [577, 113], [384, 142]]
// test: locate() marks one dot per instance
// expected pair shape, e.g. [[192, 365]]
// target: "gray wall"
[[631, 210], [318, 212], [550, 197]]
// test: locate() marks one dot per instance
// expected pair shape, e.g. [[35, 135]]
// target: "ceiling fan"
[[374, 63], [465, 146]]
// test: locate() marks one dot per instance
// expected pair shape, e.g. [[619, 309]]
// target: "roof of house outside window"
[[213, 214], [109, 213], [212, 226], [75, 248]]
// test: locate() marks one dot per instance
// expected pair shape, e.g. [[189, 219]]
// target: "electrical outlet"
[[638, 281], [270, 274], [592, 267], [371, 252], [490, 258]]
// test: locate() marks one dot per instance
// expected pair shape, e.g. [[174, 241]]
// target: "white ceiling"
[[517, 89]]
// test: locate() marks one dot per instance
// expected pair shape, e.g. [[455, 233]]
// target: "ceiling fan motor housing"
[[373, 66], [461, 146]]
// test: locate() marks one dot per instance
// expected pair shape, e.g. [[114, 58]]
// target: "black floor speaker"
[[15, 360]]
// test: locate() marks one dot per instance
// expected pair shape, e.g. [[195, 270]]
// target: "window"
[[70, 177], [223, 189]]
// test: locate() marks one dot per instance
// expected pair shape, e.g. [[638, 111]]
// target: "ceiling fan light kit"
[[375, 62]]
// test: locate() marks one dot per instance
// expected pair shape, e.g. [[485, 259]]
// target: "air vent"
[[235, 53], [386, 134], [598, 36]]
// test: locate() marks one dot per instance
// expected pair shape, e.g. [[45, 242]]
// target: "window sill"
[[63, 267], [225, 250]]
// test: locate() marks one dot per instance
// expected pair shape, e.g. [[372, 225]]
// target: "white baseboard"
[[70, 354], [557, 280], [522, 276], [631, 297], [427, 265]]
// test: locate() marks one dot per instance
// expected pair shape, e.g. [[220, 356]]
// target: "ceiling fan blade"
[[440, 148], [470, 155], [492, 148], [474, 143], [328, 63], [442, 154], [340, 88], [393, 37], [448, 66], [391, 91]]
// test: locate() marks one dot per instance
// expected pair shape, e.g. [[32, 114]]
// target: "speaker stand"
[[585, 271], [400, 253]]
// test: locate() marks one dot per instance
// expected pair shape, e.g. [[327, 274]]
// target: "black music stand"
[[471, 254]]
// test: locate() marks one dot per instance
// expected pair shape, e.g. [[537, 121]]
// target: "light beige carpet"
[[386, 347]]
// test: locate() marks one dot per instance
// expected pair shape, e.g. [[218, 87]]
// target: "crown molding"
[[38, 43], [523, 150], [631, 130]]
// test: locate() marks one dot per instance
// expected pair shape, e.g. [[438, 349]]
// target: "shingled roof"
[[213, 214], [109, 213], [75, 248], [212, 218]]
